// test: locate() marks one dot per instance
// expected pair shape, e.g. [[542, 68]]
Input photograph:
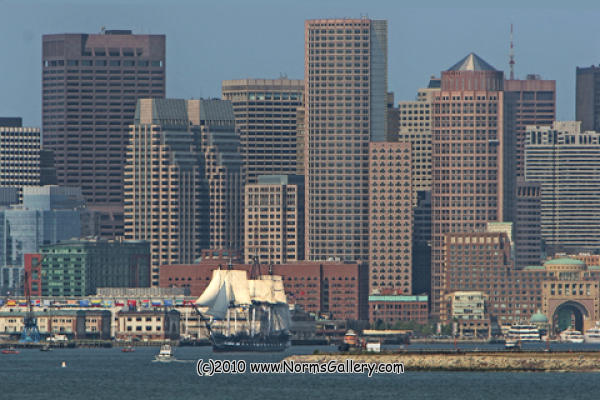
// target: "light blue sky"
[[208, 41]]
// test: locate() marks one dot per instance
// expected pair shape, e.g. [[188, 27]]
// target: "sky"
[[210, 41]]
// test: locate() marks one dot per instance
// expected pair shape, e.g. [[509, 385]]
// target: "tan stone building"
[[163, 184], [182, 179], [564, 161], [571, 294], [19, 156], [390, 218], [414, 127], [274, 220], [74, 324], [150, 325]]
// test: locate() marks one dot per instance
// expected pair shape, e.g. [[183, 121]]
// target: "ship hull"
[[268, 344]]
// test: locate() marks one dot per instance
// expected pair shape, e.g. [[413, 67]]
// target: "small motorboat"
[[128, 349], [10, 350], [165, 354], [45, 348]]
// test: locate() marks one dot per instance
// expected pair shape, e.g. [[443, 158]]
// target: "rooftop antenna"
[[511, 55]]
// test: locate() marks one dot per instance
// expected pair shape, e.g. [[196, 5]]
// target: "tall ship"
[[244, 314]]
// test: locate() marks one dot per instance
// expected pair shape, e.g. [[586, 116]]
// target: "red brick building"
[[33, 269], [482, 262], [394, 308], [390, 218], [334, 289]]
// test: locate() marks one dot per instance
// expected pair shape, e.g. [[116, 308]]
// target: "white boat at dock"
[[571, 336]]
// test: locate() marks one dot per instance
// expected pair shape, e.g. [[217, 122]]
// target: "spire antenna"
[[511, 55]]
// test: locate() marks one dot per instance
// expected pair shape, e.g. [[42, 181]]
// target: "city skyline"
[[537, 34]]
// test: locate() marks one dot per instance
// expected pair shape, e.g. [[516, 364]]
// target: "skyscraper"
[[467, 157], [390, 218], [527, 226], [90, 86], [345, 73], [414, 127], [182, 180], [587, 98], [219, 146], [165, 196], [266, 118], [19, 155], [530, 101], [274, 219], [566, 163], [48, 215]]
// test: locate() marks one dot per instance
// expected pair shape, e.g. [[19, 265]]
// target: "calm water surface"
[[111, 374]]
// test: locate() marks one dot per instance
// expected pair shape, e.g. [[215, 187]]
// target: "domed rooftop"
[[539, 318], [565, 261]]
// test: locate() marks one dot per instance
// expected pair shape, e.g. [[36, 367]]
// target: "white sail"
[[276, 290], [218, 308], [260, 290], [239, 284], [208, 297]]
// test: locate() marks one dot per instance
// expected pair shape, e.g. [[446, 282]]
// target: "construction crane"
[[30, 333]]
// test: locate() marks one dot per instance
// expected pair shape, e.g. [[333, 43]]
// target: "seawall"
[[474, 361]]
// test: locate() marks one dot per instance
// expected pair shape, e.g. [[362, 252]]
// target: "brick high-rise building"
[[345, 80], [587, 99], [530, 101], [265, 117], [467, 157], [481, 261], [90, 86], [390, 218]]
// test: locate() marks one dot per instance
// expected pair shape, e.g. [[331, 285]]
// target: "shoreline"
[[472, 361]]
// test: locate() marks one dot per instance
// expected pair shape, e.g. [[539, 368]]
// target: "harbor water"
[[111, 374]]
